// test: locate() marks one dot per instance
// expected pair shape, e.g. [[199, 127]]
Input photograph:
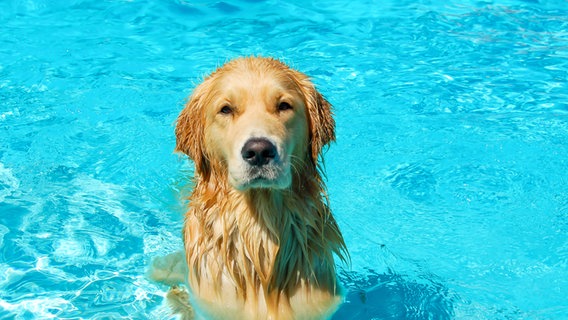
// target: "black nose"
[[258, 151]]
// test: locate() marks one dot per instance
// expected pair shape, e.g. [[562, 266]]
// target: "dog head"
[[257, 121]]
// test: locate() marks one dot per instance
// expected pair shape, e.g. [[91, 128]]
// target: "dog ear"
[[190, 130], [320, 117]]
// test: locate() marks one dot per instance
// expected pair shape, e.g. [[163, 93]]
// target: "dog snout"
[[259, 152]]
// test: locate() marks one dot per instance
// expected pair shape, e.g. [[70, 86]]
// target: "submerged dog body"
[[259, 236]]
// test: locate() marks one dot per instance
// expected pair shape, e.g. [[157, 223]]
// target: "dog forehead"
[[251, 85]]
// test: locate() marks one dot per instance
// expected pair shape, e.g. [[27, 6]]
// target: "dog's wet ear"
[[320, 116], [190, 127]]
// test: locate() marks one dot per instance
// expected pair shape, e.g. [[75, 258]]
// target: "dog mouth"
[[268, 177], [273, 176]]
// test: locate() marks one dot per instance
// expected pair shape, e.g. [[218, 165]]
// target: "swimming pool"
[[449, 177]]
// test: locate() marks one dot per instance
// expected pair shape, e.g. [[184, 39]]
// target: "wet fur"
[[264, 252]]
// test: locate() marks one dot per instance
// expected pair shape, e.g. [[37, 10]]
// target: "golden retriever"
[[259, 236]]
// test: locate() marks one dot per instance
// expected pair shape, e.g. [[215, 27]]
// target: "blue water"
[[449, 177]]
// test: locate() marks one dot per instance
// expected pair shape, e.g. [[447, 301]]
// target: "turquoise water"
[[449, 177]]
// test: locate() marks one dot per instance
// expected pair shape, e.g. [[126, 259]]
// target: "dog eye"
[[226, 110], [283, 106]]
